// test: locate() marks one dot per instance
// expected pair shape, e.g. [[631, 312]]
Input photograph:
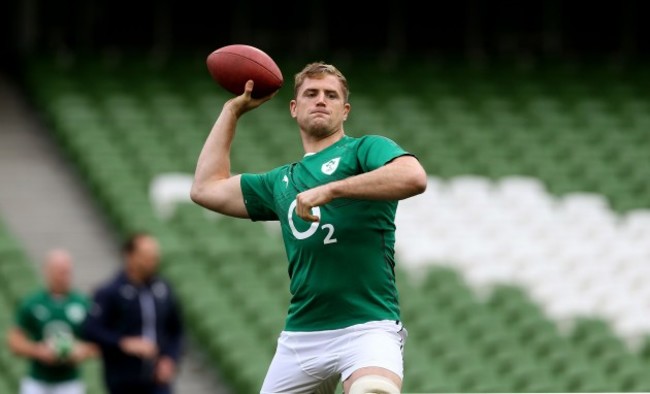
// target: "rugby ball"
[[232, 65]]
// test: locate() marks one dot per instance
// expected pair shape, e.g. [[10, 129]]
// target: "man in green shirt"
[[47, 328], [336, 208]]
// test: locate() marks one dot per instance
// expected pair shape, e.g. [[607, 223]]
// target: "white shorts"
[[303, 361], [33, 386]]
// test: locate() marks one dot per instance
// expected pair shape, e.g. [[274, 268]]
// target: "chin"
[[320, 132]]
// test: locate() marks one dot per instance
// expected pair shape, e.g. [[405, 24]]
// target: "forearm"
[[214, 187], [395, 181], [88, 350], [20, 345], [214, 160]]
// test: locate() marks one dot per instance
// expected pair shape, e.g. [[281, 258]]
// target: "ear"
[[346, 111], [292, 108]]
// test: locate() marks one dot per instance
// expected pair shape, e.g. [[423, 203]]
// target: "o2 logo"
[[329, 238]]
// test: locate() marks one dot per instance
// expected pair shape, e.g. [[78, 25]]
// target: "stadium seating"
[[511, 153]]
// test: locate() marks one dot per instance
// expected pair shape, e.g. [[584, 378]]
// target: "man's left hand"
[[165, 369]]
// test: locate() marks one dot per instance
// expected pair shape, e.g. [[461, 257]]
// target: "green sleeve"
[[258, 195], [375, 151], [22, 317]]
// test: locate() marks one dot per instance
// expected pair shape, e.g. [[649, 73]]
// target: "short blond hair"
[[319, 70]]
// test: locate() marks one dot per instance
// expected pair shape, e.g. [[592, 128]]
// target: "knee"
[[374, 384]]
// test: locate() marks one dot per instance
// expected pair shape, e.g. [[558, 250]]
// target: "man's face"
[[145, 257], [319, 107], [58, 271]]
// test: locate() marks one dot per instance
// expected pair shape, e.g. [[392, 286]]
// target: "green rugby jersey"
[[43, 318], [342, 267]]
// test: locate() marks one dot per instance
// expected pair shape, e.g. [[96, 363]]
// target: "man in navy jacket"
[[136, 321]]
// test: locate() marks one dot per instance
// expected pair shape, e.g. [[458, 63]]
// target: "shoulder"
[[280, 169], [161, 288], [110, 286], [370, 143], [160, 280], [35, 296], [268, 175], [367, 140], [374, 139], [36, 300]]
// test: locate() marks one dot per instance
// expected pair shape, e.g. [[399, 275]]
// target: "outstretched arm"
[[214, 187], [401, 178]]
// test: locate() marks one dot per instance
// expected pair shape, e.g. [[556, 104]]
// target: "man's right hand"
[[139, 347], [243, 103]]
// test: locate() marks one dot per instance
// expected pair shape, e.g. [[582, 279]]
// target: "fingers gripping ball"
[[232, 65], [374, 384]]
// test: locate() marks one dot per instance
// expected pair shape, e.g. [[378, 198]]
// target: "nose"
[[320, 99]]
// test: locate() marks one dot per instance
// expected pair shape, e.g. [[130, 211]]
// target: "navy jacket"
[[116, 313]]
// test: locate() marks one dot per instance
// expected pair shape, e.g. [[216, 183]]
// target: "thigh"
[[375, 345], [298, 369], [328, 386], [32, 386]]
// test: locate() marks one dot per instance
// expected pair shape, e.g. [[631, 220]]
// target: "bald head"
[[58, 271]]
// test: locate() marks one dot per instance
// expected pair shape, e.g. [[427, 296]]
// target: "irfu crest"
[[331, 166]]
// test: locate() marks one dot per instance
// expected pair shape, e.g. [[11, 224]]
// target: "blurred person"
[[47, 331], [336, 207], [137, 323]]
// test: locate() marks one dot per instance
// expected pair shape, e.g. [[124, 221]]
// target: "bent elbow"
[[10, 345], [417, 187], [12, 341], [419, 182], [196, 194]]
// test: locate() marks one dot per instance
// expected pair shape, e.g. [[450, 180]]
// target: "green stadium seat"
[[582, 379], [7, 387], [526, 378], [132, 123]]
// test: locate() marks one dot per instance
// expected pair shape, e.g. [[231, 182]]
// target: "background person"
[[47, 331], [136, 321]]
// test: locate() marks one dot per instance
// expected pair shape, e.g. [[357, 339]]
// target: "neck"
[[312, 144], [58, 293], [133, 276]]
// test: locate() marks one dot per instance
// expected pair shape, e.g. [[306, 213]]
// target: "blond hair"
[[320, 70]]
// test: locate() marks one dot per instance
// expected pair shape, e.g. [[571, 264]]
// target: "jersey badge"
[[331, 166], [75, 312]]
